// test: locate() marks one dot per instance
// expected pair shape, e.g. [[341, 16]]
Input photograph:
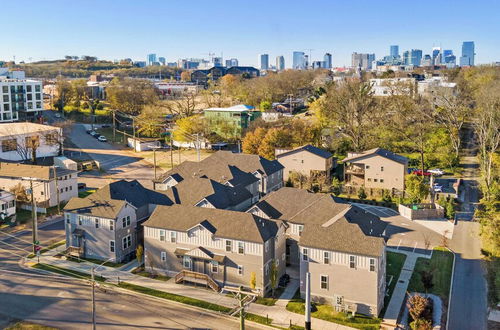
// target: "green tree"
[[416, 189], [149, 122], [130, 95], [265, 106], [362, 193], [273, 276], [336, 186], [188, 127]]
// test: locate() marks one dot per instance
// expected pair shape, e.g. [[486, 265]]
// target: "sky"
[[114, 29]]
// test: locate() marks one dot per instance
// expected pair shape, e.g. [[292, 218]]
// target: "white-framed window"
[[128, 220], [305, 256], [68, 218], [173, 236], [240, 270], [124, 222], [229, 245], [111, 246], [352, 261], [372, 265], [80, 221], [324, 282], [214, 265], [163, 256], [162, 235], [326, 257], [127, 242], [381, 168], [241, 247], [111, 225], [96, 220], [186, 262], [300, 228]]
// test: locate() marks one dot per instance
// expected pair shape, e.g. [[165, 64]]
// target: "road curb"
[[451, 288]]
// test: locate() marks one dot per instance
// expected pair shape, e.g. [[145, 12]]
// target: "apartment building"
[[258, 175], [50, 184], [106, 224], [18, 139], [20, 98], [376, 168], [341, 245], [307, 160], [224, 246]]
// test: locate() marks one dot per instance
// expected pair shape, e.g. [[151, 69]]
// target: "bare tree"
[[66, 127]]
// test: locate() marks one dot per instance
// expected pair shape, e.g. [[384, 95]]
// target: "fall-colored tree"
[[252, 140], [185, 76], [415, 188]]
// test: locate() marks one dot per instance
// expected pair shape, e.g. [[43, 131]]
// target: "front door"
[[200, 266]]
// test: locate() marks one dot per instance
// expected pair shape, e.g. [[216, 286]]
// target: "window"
[[32, 141], [186, 262], [369, 179], [240, 270], [111, 225], [381, 180], [5, 89], [305, 256], [339, 300], [173, 236], [229, 246], [30, 97], [214, 266], [37, 88], [375, 180], [381, 168], [162, 235], [70, 187], [300, 229], [326, 257], [6, 98], [127, 242], [96, 222], [372, 265], [62, 190], [9, 145], [68, 218], [66, 189], [324, 282], [352, 262], [241, 247], [28, 88], [367, 166], [80, 220], [128, 220], [163, 256], [111, 246], [38, 96]]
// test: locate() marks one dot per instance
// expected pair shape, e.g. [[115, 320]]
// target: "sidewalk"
[[399, 293], [278, 313]]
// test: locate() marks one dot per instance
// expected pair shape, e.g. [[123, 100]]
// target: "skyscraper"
[[415, 57], [436, 55], [162, 60], [280, 63], [327, 61], [150, 59], [299, 62], [362, 61], [467, 58], [264, 61], [394, 51], [406, 57]]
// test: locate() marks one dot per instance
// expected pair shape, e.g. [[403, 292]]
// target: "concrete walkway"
[[398, 295], [278, 313], [289, 292]]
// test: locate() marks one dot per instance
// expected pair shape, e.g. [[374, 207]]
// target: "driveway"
[[117, 163]]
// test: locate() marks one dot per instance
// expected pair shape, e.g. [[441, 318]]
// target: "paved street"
[[65, 302], [118, 164]]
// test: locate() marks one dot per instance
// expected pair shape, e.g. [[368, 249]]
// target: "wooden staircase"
[[186, 275]]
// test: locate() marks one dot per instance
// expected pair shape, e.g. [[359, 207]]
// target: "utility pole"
[[171, 152], [154, 160], [308, 302], [34, 230], [114, 127], [242, 311], [198, 146], [57, 191], [93, 297], [133, 133]]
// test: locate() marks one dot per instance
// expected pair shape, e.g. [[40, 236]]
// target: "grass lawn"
[[270, 301], [28, 326], [393, 268], [23, 216], [440, 265], [327, 313], [85, 193], [142, 272], [95, 261], [67, 272], [50, 247]]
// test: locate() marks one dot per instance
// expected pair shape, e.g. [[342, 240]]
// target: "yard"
[[327, 313], [85, 193], [28, 326], [395, 262], [178, 156], [441, 267], [142, 272]]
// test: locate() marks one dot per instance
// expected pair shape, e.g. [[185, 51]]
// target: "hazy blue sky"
[[114, 29]]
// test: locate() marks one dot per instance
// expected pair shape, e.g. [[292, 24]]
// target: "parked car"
[[105, 125], [436, 172], [102, 138], [89, 131], [94, 134], [58, 115], [284, 280], [419, 172], [437, 188]]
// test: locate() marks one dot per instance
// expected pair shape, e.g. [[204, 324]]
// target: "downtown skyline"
[[104, 31]]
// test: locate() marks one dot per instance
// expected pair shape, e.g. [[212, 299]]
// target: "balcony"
[[356, 170]]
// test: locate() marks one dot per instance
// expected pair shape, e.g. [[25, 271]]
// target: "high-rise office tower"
[[446, 52], [437, 55], [362, 61], [394, 51], [150, 59], [406, 57], [468, 54], [415, 57], [327, 61], [162, 60], [306, 61], [264, 61], [299, 62], [280, 63]]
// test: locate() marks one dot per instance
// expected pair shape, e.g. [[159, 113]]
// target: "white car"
[[437, 188], [102, 138], [436, 172]]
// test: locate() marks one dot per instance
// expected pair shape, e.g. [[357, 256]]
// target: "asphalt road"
[[468, 309], [117, 164], [65, 303]]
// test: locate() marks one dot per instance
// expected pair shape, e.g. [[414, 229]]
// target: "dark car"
[[81, 185], [89, 131], [284, 280]]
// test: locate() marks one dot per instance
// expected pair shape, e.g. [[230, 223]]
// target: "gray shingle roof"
[[381, 152], [310, 148], [249, 163], [227, 224]]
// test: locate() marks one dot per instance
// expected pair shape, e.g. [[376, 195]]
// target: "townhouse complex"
[[228, 221]]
